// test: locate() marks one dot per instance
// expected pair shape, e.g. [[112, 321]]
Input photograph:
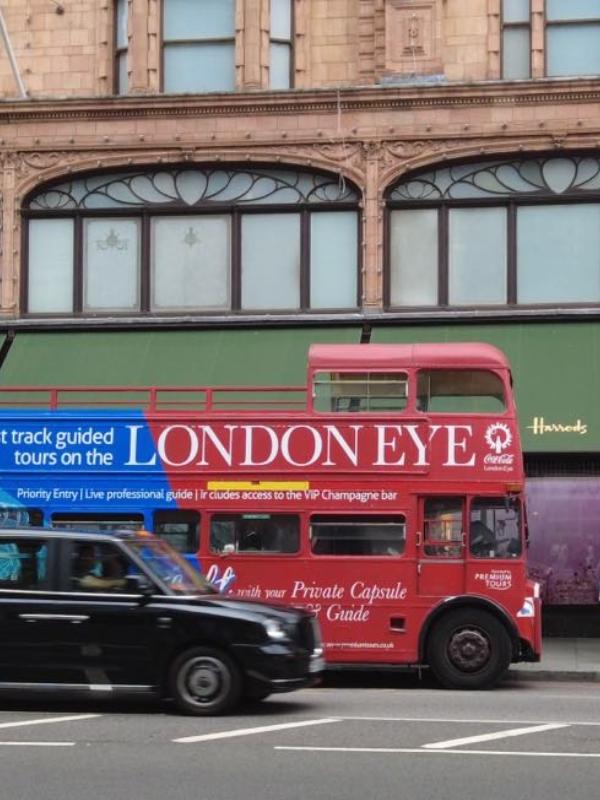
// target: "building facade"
[[194, 190]]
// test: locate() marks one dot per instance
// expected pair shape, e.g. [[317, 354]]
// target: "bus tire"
[[205, 681], [469, 649]]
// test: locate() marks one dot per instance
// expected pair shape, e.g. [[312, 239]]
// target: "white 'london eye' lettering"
[[300, 446]]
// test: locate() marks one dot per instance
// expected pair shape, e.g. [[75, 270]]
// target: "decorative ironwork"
[[573, 176], [194, 187]]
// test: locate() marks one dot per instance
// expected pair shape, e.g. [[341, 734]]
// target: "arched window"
[[524, 232], [193, 240]]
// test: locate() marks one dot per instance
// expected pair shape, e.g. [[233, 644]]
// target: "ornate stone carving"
[[413, 37]]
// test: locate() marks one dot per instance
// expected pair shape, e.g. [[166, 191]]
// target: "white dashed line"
[[47, 720], [208, 737], [37, 744], [489, 737], [423, 752]]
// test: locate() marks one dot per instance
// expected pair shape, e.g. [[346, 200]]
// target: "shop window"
[[198, 45], [255, 533], [494, 234], [200, 240], [358, 536], [563, 516]]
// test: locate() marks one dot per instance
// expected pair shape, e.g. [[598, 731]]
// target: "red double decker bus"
[[387, 495]]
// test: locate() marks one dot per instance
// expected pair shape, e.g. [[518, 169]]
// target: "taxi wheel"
[[204, 681], [469, 649]]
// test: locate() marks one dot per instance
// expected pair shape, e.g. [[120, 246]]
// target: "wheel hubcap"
[[469, 650], [204, 681]]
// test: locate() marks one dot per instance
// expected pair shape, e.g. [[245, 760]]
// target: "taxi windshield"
[[169, 567]]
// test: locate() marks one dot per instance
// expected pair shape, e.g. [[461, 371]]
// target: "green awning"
[[556, 370], [253, 357]]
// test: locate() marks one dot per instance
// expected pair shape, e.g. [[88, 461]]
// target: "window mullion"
[[305, 259], [236, 261], [145, 263], [443, 293], [511, 252], [78, 256]]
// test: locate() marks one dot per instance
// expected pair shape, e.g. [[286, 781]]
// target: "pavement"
[[563, 659]]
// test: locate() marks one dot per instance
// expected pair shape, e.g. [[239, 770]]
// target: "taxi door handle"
[[74, 618]]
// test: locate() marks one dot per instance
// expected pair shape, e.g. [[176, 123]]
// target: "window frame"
[[504, 26], [511, 204], [565, 23], [290, 44], [304, 209], [118, 51], [186, 42]]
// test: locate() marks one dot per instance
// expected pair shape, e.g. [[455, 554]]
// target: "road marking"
[[208, 737], [47, 720], [469, 721], [488, 737], [412, 750], [37, 744]]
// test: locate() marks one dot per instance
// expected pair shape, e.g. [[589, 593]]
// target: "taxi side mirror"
[[139, 584]]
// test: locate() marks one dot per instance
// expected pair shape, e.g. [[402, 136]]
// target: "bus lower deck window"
[[358, 536], [255, 533]]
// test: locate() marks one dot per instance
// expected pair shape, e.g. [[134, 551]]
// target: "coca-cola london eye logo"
[[498, 438]]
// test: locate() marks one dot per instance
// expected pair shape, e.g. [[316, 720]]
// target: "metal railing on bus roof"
[[156, 398]]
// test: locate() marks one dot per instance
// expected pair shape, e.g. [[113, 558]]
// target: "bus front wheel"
[[469, 649], [204, 681]]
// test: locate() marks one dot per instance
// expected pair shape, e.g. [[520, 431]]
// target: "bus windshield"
[[169, 567]]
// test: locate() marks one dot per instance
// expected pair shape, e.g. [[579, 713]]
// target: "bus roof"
[[395, 356]]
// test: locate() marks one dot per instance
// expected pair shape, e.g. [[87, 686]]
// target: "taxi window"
[[23, 563]]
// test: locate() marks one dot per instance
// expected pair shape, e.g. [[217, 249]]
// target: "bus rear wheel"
[[469, 649]]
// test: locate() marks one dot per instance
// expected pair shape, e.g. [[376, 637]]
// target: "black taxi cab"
[[124, 612]]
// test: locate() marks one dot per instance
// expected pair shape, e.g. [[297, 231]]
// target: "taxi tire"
[[469, 649], [205, 681]]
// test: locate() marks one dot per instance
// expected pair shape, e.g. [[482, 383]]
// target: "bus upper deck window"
[[461, 391], [360, 391]]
